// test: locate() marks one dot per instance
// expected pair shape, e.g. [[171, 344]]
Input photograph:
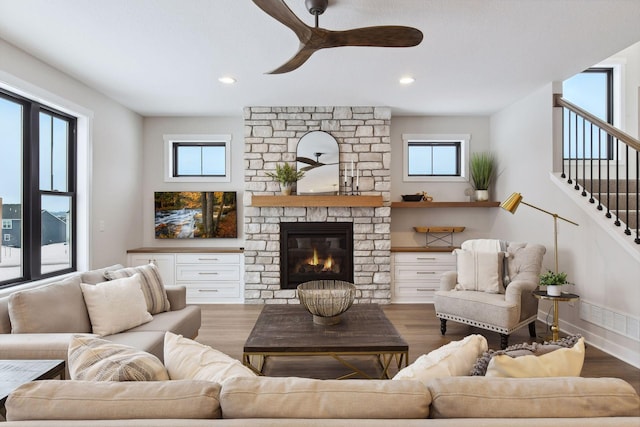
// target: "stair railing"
[[583, 134]]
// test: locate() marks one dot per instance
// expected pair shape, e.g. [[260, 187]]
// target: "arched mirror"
[[319, 157]]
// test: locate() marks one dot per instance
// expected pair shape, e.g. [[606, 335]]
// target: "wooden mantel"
[[316, 201]]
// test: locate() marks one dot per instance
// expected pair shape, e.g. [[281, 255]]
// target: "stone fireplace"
[[315, 251], [271, 137]]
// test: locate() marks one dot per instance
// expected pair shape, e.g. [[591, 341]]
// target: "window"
[[435, 157], [37, 190], [197, 158], [593, 91]]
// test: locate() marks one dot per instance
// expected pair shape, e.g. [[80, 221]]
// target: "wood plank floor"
[[226, 328]]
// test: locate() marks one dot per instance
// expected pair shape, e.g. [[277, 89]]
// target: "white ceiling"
[[164, 57]]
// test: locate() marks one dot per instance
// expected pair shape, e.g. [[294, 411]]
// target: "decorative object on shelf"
[[482, 167], [317, 155], [553, 282], [418, 197], [511, 205], [326, 300], [439, 235], [286, 175]]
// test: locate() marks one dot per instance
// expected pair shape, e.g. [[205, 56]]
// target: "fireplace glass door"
[[315, 251]]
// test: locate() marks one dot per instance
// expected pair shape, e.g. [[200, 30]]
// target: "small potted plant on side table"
[[286, 175], [482, 167], [553, 282]]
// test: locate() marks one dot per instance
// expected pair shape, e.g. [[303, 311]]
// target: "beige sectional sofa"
[[60, 307], [263, 401]]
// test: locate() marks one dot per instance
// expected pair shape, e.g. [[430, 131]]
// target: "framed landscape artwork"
[[195, 214]]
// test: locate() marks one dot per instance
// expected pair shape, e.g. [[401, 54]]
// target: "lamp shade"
[[512, 202]]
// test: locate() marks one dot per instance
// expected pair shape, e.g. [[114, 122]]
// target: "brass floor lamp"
[[512, 203]]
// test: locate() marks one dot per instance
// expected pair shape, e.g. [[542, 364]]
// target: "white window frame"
[[463, 138], [7, 224], [170, 140]]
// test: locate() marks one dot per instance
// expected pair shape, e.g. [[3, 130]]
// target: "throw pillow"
[[57, 307], [115, 306], [564, 362], [154, 292], [479, 271], [453, 359], [188, 359], [96, 359], [533, 350]]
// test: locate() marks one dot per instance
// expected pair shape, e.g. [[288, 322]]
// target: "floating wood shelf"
[[316, 201], [423, 249], [445, 204]]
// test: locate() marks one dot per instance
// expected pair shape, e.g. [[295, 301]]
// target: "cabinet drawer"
[[427, 258], [207, 273], [212, 258], [419, 273], [200, 293], [425, 289]]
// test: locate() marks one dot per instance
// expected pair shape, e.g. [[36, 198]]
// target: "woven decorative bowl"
[[326, 300]]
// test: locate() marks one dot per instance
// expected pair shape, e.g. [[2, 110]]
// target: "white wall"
[[604, 272], [113, 155], [153, 172], [478, 221]]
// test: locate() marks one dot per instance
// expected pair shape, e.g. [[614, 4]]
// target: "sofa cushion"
[[93, 277], [559, 397], [152, 286], [563, 362], [95, 359], [185, 322], [453, 359], [87, 400], [115, 306], [188, 359], [479, 271], [56, 307], [309, 398]]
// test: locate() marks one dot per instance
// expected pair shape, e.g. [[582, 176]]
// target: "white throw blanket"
[[489, 245]]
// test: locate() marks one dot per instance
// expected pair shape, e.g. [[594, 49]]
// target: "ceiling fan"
[[315, 38]]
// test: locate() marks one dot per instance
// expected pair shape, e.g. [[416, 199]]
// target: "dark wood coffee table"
[[14, 373], [288, 330]]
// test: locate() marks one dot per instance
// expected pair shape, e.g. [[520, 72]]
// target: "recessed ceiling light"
[[407, 80], [227, 80]]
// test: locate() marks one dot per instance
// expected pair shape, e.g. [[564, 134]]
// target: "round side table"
[[564, 297]]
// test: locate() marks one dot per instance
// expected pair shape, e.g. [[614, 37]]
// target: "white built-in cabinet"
[[211, 276], [416, 275]]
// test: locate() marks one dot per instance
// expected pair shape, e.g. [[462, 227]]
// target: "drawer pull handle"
[[208, 259], [207, 273], [426, 258], [424, 290], [207, 290], [425, 272]]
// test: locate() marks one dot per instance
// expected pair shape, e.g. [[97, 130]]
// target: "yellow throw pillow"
[[564, 362]]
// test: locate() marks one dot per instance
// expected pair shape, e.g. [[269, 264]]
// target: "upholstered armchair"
[[492, 287]]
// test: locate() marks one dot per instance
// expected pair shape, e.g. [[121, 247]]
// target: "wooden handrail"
[[559, 101]]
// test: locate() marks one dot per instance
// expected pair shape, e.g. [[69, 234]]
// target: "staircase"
[[609, 179], [615, 200]]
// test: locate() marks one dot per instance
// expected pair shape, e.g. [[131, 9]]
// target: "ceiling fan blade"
[[382, 36], [297, 60], [279, 10]]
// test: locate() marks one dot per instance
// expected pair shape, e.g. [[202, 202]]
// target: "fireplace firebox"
[[315, 251]]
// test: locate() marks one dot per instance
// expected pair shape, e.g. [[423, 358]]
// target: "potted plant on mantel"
[[286, 175], [482, 167], [553, 282]]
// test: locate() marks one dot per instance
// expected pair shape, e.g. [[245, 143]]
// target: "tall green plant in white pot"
[[482, 167], [286, 175]]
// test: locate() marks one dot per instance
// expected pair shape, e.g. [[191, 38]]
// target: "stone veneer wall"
[[271, 137]]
